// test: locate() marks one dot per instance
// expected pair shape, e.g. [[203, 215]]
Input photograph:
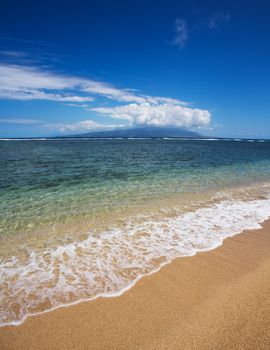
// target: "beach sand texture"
[[215, 300]]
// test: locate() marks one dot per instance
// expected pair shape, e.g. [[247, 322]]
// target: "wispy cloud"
[[86, 125], [32, 83], [13, 54], [80, 105], [28, 51], [20, 121], [29, 83], [181, 33], [26, 83], [200, 19], [216, 18]]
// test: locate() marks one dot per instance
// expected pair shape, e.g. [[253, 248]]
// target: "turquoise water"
[[60, 200], [52, 181]]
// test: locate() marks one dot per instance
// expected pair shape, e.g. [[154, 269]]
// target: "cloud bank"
[[164, 114], [134, 108]]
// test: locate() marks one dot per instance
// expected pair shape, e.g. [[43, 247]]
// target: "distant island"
[[149, 131]]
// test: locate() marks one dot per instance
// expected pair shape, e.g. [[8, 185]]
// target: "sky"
[[69, 67]]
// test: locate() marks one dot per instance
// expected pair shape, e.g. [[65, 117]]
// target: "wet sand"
[[215, 300]]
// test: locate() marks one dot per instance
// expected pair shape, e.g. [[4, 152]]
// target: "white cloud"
[[14, 78], [122, 95], [181, 33], [30, 94], [30, 83], [25, 83], [166, 114]]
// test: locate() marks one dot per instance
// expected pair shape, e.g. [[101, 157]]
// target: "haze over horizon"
[[101, 65]]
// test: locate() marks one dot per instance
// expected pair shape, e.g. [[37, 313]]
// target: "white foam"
[[24, 139], [108, 264]]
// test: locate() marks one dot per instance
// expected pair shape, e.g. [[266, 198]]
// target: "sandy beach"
[[214, 300], [134, 175]]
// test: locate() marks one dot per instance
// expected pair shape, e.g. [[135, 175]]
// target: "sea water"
[[84, 218]]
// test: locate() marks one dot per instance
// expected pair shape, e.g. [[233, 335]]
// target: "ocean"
[[85, 218]]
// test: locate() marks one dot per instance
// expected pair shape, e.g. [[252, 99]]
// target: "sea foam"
[[111, 262]]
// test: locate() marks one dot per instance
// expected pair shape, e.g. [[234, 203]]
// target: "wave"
[[108, 264], [25, 139]]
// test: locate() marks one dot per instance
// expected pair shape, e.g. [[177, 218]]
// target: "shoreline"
[[178, 307], [166, 239]]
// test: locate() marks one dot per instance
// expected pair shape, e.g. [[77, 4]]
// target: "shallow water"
[[83, 218]]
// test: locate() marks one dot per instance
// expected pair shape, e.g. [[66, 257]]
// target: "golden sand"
[[214, 300]]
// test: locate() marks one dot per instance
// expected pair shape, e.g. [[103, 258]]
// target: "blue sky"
[[76, 66]]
